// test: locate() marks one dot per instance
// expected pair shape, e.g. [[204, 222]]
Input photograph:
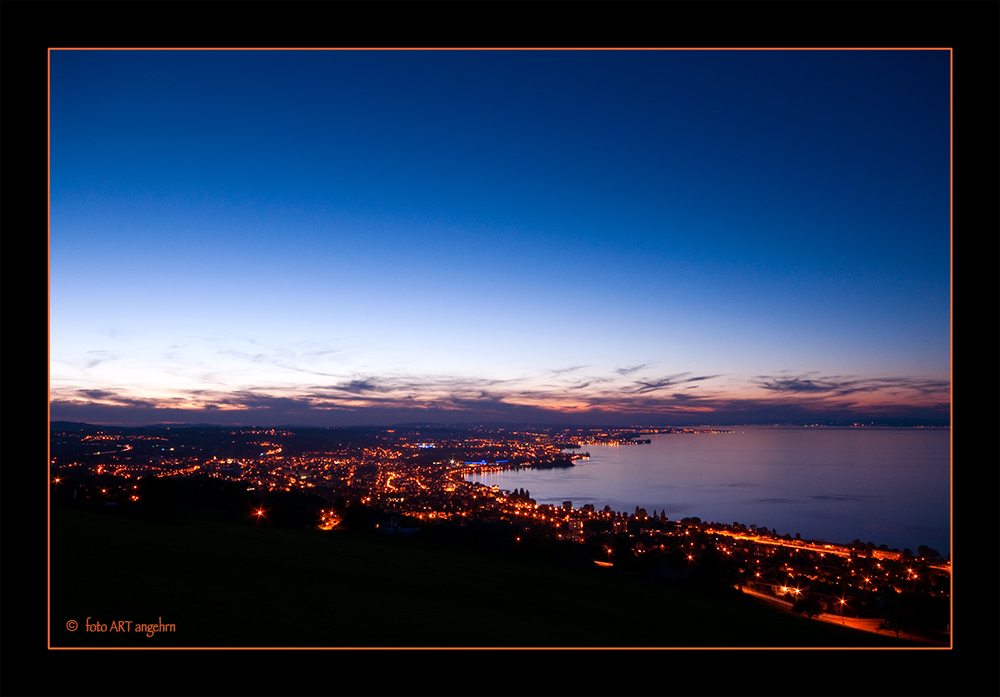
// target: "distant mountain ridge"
[[77, 426]]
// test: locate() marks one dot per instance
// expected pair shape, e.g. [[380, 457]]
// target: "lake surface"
[[888, 486]]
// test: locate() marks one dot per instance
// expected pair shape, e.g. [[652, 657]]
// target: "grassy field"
[[222, 584]]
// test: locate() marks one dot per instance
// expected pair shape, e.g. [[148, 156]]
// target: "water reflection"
[[890, 486]]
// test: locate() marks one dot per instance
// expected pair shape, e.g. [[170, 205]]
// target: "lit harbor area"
[[399, 481]]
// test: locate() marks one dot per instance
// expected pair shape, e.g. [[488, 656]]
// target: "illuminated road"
[[863, 623], [820, 548], [124, 448]]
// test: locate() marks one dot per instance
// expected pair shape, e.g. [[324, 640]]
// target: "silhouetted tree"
[[808, 606], [926, 552], [891, 624]]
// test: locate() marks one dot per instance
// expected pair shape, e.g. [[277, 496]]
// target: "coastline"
[[818, 495]]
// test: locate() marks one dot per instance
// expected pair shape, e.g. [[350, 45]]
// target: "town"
[[409, 480]]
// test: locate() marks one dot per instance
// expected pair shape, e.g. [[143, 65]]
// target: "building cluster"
[[419, 479]]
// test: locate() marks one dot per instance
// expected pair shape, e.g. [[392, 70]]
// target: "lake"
[[885, 485]]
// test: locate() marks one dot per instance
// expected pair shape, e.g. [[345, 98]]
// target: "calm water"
[[889, 486]]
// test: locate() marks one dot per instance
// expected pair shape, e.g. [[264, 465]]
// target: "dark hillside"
[[223, 583]]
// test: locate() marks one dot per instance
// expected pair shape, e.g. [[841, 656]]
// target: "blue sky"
[[373, 237]]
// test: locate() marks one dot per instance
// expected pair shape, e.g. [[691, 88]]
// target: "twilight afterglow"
[[377, 237]]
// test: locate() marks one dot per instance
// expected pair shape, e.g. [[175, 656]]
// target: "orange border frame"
[[491, 648]]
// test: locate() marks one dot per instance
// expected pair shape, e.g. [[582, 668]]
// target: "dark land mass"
[[270, 537], [554, 464], [205, 581]]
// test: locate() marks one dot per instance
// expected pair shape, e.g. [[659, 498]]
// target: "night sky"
[[589, 237]]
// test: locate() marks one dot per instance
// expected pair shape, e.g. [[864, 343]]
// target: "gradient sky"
[[374, 237]]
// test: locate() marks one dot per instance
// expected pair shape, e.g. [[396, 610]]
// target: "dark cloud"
[[703, 377], [96, 394], [385, 399], [799, 385], [105, 397], [632, 369], [643, 387], [560, 371], [669, 381], [843, 386], [95, 358], [359, 386], [248, 399], [652, 385], [116, 399]]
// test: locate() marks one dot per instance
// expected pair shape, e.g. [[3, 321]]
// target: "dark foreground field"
[[222, 584]]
